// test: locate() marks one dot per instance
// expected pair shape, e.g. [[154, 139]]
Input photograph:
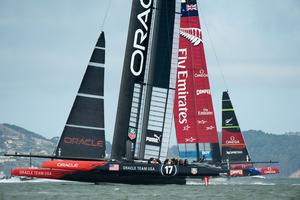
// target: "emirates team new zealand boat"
[[164, 60], [234, 150]]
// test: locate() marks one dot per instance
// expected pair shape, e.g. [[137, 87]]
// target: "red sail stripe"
[[233, 140]]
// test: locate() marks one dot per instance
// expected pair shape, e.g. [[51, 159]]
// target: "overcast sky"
[[46, 45]]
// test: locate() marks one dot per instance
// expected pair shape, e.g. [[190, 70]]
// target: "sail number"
[[168, 170]]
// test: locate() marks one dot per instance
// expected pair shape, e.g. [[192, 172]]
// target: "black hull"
[[125, 179], [121, 172], [133, 173]]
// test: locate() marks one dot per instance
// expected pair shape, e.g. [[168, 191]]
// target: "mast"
[[233, 143], [194, 115], [83, 135], [143, 122]]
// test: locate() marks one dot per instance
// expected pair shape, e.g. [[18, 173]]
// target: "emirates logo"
[[192, 34]]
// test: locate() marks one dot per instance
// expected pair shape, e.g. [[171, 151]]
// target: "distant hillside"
[[262, 147], [283, 148], [14, 138], [17, 139]]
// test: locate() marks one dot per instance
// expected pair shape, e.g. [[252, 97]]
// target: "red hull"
[[73, 164], [268, 170], [41, 173]]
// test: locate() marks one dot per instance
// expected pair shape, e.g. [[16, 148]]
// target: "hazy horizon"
[[45, 47]]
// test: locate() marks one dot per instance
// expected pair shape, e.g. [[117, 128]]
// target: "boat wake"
[[18, 180], [226, 181]]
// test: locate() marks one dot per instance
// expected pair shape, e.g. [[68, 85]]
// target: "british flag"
[[114, 167], [191, 7]]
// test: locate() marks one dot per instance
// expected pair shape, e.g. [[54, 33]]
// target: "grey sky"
[[45, 46]]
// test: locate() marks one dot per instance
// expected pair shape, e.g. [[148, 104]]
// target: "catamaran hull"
[[111, 172], [253, 171]]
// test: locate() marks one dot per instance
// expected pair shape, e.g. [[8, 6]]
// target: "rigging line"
[[214, 50], [106, 14]]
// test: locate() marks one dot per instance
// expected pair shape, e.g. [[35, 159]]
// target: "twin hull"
[[115, 172]]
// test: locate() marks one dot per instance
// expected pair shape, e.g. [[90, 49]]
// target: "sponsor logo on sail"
[[209, 128], [186, 128], [140, 36], [192, 34], [203, 91], [182, 75], [131, 133], [227, 121], [200, 74], [154, 139], [191, 139], [204, 111], [84, 141], [234, 152], [201, 121], [232, 140]]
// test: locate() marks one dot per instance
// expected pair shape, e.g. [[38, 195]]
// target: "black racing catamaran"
[[145, 108], [234, 150]]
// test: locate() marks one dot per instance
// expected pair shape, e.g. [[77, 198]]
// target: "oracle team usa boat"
[[164, 59]]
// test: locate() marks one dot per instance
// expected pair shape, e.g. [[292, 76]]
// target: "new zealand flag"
[[189, 8]]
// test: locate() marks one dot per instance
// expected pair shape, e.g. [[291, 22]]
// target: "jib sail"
[[193, 110], [83, 135], [233, 144]]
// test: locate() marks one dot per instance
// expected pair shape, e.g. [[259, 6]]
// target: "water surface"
[[238, 188]]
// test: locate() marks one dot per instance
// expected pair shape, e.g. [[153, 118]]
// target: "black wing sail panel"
[[164, 64], [132, 82], [233, 144], [144, 115], [83, 135]]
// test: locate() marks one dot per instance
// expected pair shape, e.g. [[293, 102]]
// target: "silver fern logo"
[[192, 34]]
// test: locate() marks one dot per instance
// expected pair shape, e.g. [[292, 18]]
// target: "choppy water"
[[238, 188]]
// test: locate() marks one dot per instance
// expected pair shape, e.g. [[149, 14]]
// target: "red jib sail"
[[193, 108]]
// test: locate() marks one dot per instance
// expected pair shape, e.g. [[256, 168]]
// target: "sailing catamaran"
[[234, 150], [164, 72], [143, 124]]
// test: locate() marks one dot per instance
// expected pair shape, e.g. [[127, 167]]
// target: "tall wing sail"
[[132, 82], [193, 110], [233, 144], [144, 115], [83, 135], [161, 82]]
